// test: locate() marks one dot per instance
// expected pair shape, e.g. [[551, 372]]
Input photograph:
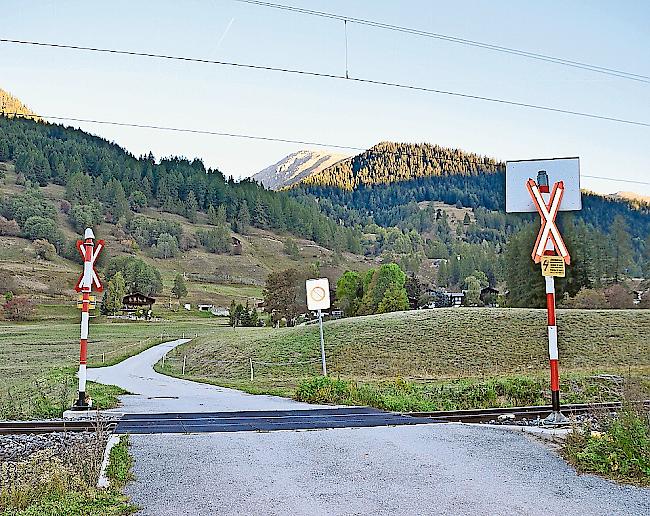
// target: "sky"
[[271, 104]]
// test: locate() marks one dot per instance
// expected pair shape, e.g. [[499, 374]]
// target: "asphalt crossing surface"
[[262, 421]]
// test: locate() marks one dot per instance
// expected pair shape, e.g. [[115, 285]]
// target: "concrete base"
[[553, 435], [555, 419], [91, 415]]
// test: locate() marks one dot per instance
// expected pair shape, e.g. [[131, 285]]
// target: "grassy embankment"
[[65, 485], [428, 360], [38, 360]]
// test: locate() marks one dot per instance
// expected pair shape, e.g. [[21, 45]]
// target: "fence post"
[[251, 364], [184, 357], [102, 358], [163, 359]]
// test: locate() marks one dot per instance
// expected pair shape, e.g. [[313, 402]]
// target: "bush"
[[44, 250], [619, 449], [215, 240], [589, 298], [619, 297], [9, 227], [18, 309], [36, 228]]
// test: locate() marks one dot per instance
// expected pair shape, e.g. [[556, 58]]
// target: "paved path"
[[153, 392], [441, 469]]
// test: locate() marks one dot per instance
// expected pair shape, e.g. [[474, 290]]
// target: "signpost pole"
[[556, 416], [86, 286], [322, 342]]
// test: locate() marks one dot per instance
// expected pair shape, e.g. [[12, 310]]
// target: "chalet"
[[489, 296], [137, 301], [455, 298]]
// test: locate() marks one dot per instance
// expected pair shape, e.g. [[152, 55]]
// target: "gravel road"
[[153, 392], [429, 469], [425, 469]]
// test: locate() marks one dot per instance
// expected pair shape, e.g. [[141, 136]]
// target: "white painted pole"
[[102, 358], [322, 342], [251, 364], [184, 357]]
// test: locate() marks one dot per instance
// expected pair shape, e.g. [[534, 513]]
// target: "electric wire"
[[360, 80], [497, 166], [454, 39]]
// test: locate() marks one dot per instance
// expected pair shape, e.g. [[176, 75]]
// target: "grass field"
[[427, 347], [38, 360]]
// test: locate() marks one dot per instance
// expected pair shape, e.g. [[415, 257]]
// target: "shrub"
[[9, 227], [620, 449], [619, 297], [18, 309], [44, 250], [589, 298]]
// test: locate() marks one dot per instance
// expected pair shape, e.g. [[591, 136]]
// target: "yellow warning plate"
[[91, 305], [553, 266]]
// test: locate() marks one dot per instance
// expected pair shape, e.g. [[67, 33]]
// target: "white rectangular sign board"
[[318, 294], [518, 200]]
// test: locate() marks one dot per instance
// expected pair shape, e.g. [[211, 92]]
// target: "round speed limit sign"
[[318, 294]]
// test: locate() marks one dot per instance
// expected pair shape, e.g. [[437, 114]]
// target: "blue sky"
[[132, 89]]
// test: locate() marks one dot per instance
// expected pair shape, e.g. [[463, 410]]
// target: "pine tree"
[[621, 246], [191, 207], [115, 292], [212, 215], [243, 220], [179, 289]]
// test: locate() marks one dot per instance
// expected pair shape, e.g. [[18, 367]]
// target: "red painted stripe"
[[555, 376], [550, 305], [84, 350]]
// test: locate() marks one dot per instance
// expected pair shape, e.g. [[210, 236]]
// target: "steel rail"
[[483, 415], [45, 427]]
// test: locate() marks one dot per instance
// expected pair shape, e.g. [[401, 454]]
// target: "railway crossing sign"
[[93, 281], [525, 195], [549, 237]]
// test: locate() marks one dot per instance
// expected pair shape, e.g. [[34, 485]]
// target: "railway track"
[[515, 413], [335, 417], [44, 427]]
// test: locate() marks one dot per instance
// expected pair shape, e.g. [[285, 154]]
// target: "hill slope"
[[295, 167]]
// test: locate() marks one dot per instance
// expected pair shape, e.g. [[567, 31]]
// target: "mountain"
[[295, 167], [390, 162], [10, 106], [631, 196]]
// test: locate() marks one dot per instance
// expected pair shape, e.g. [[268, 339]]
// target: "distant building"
[[205, 307], [220, 311], [456, 298], [137, 301], [236, 246], [489, 296]]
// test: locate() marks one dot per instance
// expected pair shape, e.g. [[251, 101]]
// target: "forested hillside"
[[104, 182], [389, 162], [420, 202]]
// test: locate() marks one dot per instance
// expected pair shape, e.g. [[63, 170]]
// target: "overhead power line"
[[274, 139], [454, 39], [333, 76]]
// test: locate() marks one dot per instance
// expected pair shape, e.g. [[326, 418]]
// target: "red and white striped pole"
[[86, 287], [556, 416]]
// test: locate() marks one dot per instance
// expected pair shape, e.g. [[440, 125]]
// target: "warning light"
[[542, 181]]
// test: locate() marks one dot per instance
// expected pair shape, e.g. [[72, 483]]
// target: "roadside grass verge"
[[65, 484], [467, 393], [616, 447]]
